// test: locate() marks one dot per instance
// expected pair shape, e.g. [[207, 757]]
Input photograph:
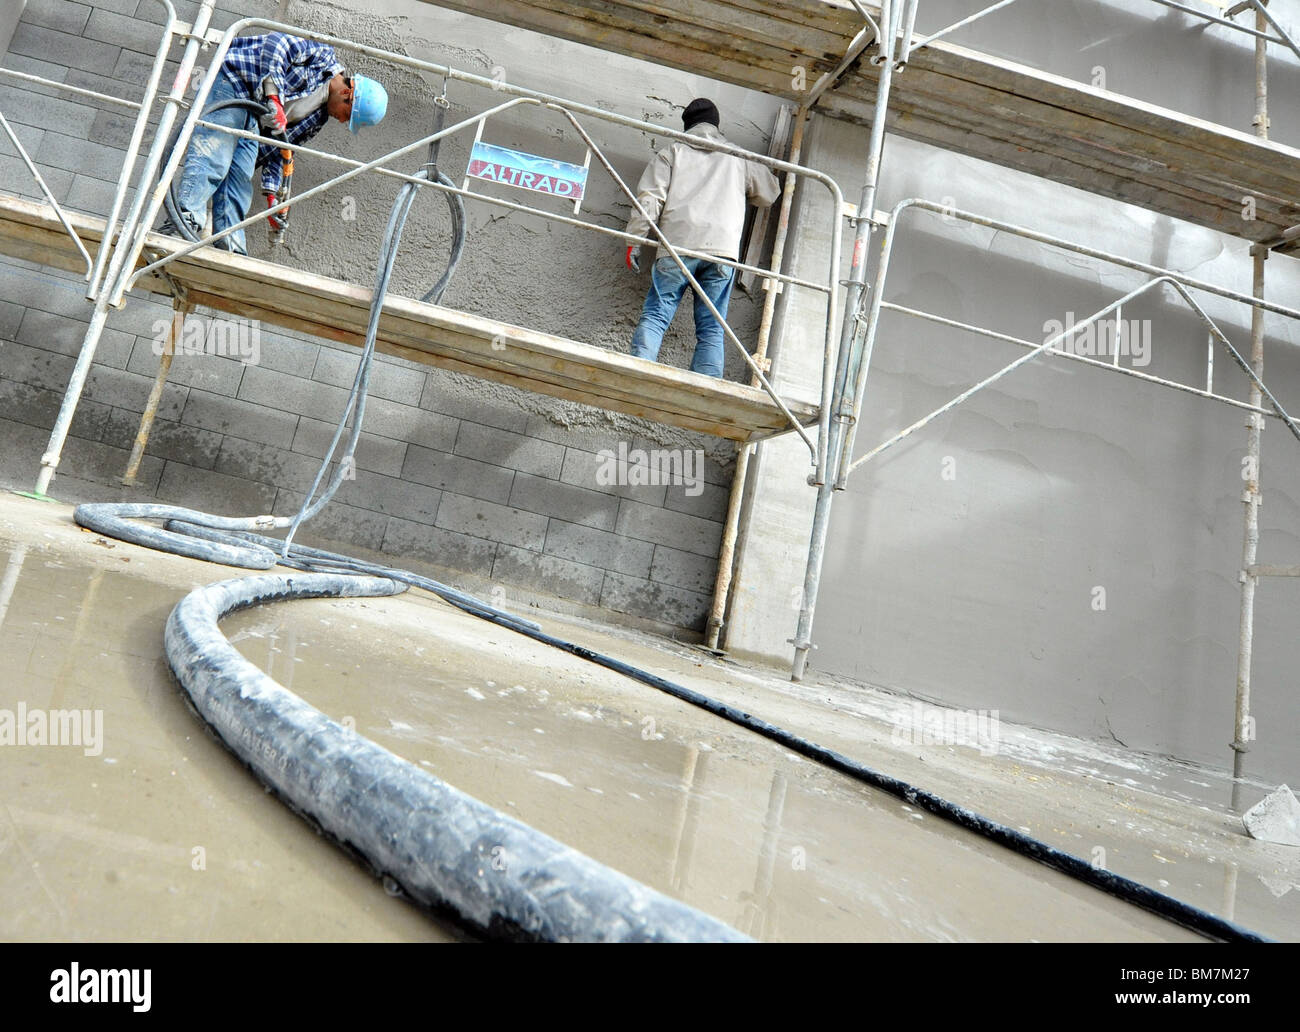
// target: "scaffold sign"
[[527, 171]]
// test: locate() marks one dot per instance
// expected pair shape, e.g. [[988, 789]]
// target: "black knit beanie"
[[700, 110]]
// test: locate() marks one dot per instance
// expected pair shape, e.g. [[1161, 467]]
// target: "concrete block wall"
[[473, 479], [482, 486]]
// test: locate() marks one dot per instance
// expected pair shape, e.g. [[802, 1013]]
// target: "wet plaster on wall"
[[518, 268]]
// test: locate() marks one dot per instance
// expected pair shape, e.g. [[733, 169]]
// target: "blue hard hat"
[[369, 102]]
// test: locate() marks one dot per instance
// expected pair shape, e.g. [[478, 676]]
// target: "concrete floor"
[[156, 833]]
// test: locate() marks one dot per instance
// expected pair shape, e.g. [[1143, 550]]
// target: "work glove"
[[634, 257], [276, 220], [275, 118]]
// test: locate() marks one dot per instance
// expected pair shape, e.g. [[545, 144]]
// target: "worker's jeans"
[[219, 167], [667, 285]]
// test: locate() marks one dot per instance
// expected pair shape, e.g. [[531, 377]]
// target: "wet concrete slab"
[[150, 830]]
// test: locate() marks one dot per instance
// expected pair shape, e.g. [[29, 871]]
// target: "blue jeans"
[[219, 168], [667, 285]]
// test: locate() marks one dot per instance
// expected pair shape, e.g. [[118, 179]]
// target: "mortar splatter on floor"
[[157, 833]]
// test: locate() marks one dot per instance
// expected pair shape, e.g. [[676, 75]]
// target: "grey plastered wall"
[[978, 589], [472, 477]]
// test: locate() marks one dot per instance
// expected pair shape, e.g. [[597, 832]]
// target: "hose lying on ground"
[[446, 850], [433, 841]]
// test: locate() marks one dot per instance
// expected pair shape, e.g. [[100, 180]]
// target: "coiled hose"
[[432, 841]]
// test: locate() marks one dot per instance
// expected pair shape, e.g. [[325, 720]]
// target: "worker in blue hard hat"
[[304, 84]]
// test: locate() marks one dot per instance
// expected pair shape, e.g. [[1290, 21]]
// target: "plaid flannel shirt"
[[298, 67]]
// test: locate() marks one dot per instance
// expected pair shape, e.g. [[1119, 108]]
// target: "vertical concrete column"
[[772, 549]]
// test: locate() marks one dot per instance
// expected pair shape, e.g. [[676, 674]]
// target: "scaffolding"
[[926, 87], [192, 273], [894, 46]]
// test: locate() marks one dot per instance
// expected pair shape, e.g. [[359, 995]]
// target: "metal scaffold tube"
[[890, 17], [1243, 732], [731, 529], [133, 232]]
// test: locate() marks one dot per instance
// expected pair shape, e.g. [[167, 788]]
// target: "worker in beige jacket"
[[696, 197]]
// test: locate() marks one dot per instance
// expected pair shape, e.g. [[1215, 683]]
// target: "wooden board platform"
[[429, 334], [950, 97]]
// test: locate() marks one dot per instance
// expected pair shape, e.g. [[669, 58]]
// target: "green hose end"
[[36, 495]]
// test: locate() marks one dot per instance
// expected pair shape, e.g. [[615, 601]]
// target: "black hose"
[[446, 850], [169, 198], [356, 404]]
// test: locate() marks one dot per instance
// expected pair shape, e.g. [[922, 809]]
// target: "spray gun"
[[274, 232]]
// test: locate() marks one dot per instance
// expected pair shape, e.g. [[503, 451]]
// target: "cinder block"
[[411, 425], [514, 451], [143, 316], [130, 391], [599, 548], [655, 601], [391, 496], [387, 380], [569, 503], [266, 464], [46, 289], [11, 317], [21, 447], [406, 538], [39, 407], [454, 473], [19, 180], [29, 136], [443, 394], [696, 573], [583, 469], [378, 454], [548, 574], [584, 438], [500, 523], [665, 527], [105, 83], [188, 445], [134, 68], [222, 18], [36, 367], [337, 525], [707, 501], [34, 66], [94, 196], [240, 419], [213, 373], [214, 492], [282, 353], [64, 48], [24, 106], [105, 464], [114, 129], [64, 335], [715, 472], [63, 15], [110, 27], [67, 152], [264, 386]]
